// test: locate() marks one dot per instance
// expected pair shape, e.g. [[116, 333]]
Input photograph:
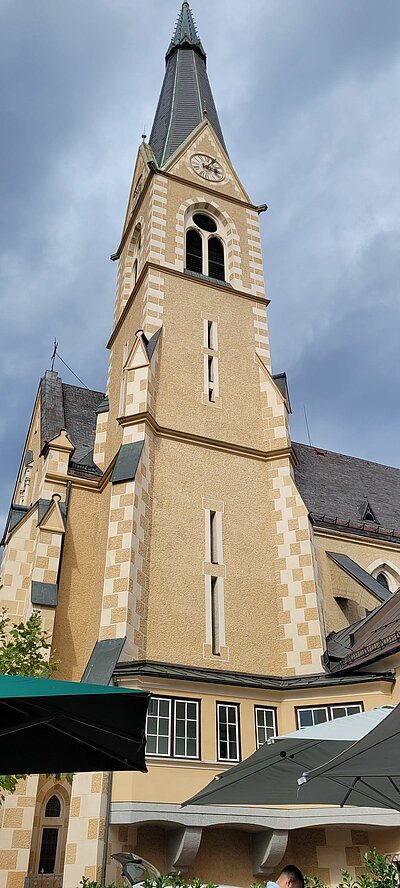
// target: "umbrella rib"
[[81, 721], [30, 724], [377, 792], [97, 747]]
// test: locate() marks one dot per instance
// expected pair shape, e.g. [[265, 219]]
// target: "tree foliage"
[[24, 647], [24, 650]]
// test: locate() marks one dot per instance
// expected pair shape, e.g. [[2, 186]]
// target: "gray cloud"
[[307, 93]]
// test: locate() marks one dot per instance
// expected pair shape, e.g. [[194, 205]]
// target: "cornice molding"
[[201, 440], [175, 272]]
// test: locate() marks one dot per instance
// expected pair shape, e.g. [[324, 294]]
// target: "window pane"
[[320, 716], [48, 851], [312, 716], [305, 718], [353, 710], [227, 720], [192, 748], [265, 725], [186, 726], [164, 707], [163, 746], [158, 727], [180, 746], [53, 807], [180, 709]]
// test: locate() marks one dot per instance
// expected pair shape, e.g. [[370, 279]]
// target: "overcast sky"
[[308, 98]]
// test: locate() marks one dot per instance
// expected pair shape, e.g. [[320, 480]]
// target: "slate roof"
[[73, 409], [336, 487], [185, 92], [360, 575], [154, 669], [361, 644]]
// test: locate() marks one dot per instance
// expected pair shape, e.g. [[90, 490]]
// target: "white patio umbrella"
[[371, 767], [269, 776]]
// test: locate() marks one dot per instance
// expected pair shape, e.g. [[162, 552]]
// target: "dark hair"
[[294, 873]]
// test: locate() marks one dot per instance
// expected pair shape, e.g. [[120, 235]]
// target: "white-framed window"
[[265, 721], [228, 736], [316, 715], [173, 727], [205, 251]]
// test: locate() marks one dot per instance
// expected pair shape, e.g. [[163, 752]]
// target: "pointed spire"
[[186, 97], [185, 33]]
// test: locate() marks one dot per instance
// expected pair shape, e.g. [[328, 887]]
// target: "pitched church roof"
[[337, 488], [71, 408], [185, 94]]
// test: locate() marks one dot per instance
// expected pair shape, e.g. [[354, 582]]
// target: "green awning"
[[49, 726]]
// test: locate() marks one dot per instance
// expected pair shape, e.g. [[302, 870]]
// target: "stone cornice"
[[166, 269], [203, 441]]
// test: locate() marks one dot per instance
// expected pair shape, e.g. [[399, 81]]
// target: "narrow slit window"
[[215, 633], [134, 272], [216, 263], [211, 378], [214, 553], [210, 334], [194, 251]]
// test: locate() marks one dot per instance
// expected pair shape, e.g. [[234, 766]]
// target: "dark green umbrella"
[[49, 726]]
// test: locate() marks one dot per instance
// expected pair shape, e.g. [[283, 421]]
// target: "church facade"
[[248, 582]]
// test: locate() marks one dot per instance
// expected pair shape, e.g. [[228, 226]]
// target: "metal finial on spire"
[[144, 135]]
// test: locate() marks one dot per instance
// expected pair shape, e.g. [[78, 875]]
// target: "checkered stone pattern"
[[17, 566], [343, 849], [125, 282], [153, 302], [125, 591], [158, 219], [16, 833], [261, 334], [254, 253], [136, 391], [231, 237], [296, 588], [120, 838], [99, 452], [86, 829], [275, 418]]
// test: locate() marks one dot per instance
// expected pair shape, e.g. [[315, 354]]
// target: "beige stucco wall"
[[174, 780], [177, 575], [81, 581], [336, 582]]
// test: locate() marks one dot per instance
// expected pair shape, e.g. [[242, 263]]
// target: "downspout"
[[106, 828]]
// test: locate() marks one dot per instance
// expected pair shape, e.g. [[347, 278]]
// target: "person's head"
[[290, 877]]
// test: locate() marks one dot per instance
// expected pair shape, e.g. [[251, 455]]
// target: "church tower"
[[202, 494]]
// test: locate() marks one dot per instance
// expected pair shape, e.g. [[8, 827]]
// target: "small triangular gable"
[[203, 140], [138, 356], [53, 520]]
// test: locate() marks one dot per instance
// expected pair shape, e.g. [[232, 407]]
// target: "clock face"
[[207, 167]]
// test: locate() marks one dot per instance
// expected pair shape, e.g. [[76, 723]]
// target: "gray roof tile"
[[337, 486]]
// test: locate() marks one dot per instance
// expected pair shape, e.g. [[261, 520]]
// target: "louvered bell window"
[[194, 251], [216, 264]]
